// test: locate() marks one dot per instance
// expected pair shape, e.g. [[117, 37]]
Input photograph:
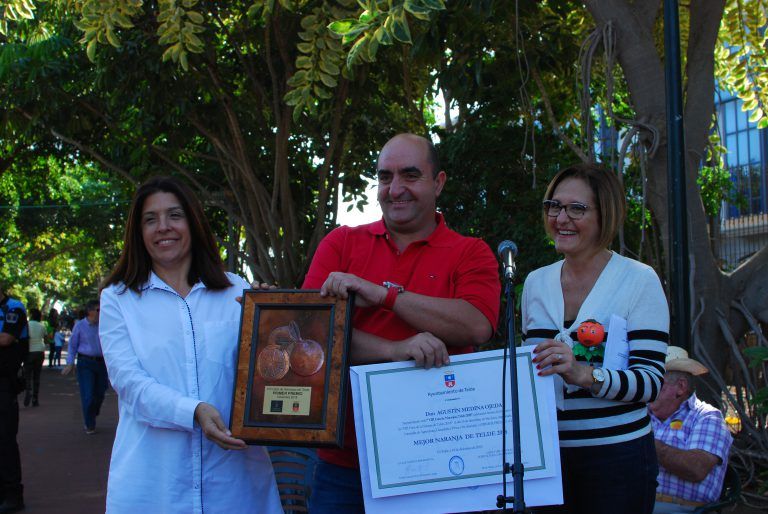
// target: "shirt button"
[[197, 486]]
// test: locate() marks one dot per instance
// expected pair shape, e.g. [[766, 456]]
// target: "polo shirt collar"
[[438, 238], [686, 406]]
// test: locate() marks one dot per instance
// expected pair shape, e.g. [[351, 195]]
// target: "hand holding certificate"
[[430, 433]]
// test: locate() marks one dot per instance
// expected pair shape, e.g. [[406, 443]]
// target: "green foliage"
[[715, 186], [381, 23], [15, 10], [100, 21], [225, 125], [60, 225], [741, 59], [319, 63], [489, 195], [758, 356]]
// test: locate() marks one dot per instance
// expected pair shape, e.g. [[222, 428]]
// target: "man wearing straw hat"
[[692, 440]]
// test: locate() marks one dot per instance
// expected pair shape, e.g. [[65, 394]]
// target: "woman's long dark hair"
[[135, 264]]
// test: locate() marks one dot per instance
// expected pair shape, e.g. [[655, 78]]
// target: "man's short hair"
[[433, 157], [690, 380], [92, 305]]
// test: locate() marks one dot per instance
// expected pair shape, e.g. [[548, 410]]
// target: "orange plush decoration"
[[590, 333]]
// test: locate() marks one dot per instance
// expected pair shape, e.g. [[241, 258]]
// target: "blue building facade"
[[743, 227]]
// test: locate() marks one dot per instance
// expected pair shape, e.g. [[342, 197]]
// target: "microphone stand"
[[510, 357]]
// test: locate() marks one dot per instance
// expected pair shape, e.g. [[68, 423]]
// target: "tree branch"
[[551, 116], [96, 156]]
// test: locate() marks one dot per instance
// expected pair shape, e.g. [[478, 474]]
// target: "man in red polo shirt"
[[422, 292]]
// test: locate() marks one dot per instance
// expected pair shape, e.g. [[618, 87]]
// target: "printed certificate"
[[437, 429]]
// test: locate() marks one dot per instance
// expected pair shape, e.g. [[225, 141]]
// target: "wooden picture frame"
[[292, 368]]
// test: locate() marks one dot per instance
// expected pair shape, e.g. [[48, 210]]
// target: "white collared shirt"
[[166, 354]]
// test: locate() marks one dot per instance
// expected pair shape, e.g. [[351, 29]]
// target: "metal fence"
[[743, 227], [740, 238]]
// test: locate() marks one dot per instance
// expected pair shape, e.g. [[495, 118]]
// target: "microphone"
[[507, 252]]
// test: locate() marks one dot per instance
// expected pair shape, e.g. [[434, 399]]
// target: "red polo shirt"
[[444, 265]]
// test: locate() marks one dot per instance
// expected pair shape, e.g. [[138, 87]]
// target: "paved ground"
[[64, 470]]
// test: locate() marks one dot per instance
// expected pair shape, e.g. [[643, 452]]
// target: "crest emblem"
[[450, 379]]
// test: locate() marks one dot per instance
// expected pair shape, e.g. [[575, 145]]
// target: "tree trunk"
[[713, 292]]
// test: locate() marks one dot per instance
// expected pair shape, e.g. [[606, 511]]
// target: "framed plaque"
[[292, 369]]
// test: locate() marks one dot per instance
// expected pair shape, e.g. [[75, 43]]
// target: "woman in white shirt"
[[169, 325]]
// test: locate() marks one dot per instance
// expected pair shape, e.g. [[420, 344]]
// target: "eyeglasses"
[[574, 211]]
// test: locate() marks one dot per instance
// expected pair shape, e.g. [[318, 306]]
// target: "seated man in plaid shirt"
[[692, 440]]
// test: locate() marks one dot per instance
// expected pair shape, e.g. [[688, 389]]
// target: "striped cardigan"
[[626, 288]]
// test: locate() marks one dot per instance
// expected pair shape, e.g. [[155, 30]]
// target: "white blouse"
[[166, 354]]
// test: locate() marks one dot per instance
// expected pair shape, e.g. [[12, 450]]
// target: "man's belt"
[[679, 501], [89, 357]]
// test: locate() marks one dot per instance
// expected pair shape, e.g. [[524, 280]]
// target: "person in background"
[[52, 325], [169, 330], [85, 345], [33, 364], [59, 338], [569, 310], [692, 440], [422, 290], [13, 347]]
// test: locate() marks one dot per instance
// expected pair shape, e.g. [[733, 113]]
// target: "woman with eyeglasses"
[[570, 310], [169, 331]]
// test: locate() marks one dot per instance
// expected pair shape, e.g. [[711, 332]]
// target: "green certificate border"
[[368, 376]]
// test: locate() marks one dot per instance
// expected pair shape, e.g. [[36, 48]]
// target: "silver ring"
[[559, 357]]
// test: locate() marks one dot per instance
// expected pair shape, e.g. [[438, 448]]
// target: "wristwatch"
[[392, 291], [598, 379]]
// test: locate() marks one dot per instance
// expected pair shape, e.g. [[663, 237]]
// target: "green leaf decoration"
[[590, 352], [579, 350]]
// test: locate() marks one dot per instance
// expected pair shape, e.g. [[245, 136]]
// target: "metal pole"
[[678, 210]]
